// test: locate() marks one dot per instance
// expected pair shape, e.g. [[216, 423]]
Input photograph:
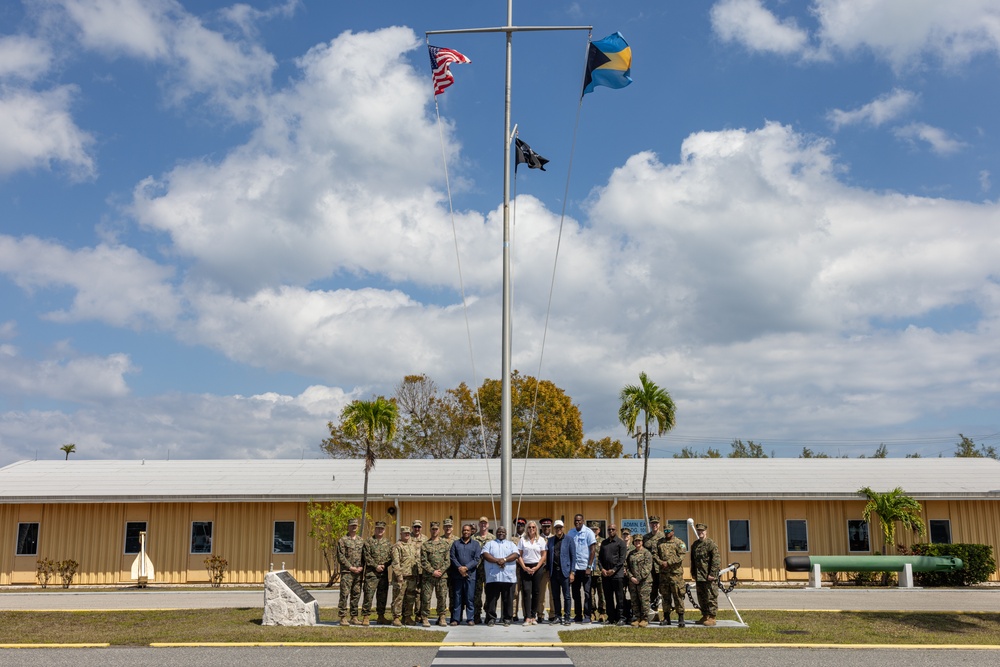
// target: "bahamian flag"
[[609, 63]]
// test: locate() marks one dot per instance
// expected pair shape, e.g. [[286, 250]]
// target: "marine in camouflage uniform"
[[349, 549], [376, 556], [418, 538], [449, 536], [481, 569], [626, 535], [405, 572], [670, 557], [435, 559], [705, 564], [651, 542], [596, 581], [639, 570]]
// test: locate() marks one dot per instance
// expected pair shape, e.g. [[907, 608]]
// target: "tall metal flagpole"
[[506, 450]]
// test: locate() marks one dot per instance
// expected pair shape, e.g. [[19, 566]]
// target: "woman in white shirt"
[[533, 549]]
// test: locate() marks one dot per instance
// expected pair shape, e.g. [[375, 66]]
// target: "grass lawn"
[[818, 627], [141, 628]]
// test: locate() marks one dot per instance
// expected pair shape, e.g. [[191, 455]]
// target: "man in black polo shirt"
[[611, 561]]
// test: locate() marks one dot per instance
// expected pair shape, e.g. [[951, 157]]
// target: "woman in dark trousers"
[[532, 562]]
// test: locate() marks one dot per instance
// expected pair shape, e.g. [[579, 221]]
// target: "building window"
[[680, 530], [940, 531], [27, 539], [739, 535], [201, 537], [857, 536], [284, 537], [796, 535], [132, 530]]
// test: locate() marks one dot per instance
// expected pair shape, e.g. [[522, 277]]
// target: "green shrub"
[[978, 561], [44, 569]]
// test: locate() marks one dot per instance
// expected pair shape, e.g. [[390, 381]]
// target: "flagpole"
[[506, 448]]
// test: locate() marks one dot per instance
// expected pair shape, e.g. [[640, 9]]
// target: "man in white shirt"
[[500, 556], [584, 541]]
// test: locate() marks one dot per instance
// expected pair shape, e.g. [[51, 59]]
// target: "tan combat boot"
[[354, 621], [442, 621], [426, 623], [643, 623], [635, 624], [710, 621], [397, 623], [364, 621]]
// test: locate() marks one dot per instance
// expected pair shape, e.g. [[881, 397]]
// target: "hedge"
[[977, 558]]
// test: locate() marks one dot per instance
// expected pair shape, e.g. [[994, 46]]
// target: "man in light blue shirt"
[[584, 542], [500, 556]]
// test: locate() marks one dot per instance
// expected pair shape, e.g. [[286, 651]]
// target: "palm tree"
[[375, 423], [656, 405], [69, 449], [891, 507]]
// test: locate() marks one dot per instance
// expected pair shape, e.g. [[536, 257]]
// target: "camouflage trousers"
[[404, 598], [418, 603], [350, 595], [708, 597], [477, 603], [439, 587], [672, 593], [377, 589], [640, 598], [597, 595]]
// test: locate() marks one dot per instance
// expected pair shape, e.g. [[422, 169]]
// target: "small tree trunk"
[[645, 471]]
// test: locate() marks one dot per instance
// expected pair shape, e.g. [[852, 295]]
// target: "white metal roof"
[[669, 479]]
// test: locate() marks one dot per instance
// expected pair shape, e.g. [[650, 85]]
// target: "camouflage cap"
[[404, 530], [417, 523], [593, 524], [700, 526], [449, 522], [435, 524], [669, 528], [352, 522], [654, 519], [626, 531], [380, 524], [637, 537]]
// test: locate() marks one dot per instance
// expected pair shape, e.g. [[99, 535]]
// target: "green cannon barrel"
[[872, 563]]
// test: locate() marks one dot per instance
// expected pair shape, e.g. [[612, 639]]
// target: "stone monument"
[[286, 602]]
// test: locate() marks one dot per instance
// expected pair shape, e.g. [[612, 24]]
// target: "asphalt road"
[[978, 599]]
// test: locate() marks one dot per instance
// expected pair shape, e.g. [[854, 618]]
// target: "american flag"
[[441, 58]]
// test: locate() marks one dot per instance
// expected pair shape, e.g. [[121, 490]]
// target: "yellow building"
[[253, 513]]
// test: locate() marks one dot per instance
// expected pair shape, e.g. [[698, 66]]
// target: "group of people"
[[471, 574]]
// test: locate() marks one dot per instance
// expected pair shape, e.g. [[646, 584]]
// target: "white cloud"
[[23, 57], [901, 32], [883, 109], [83, 379], [335, 179], [985, 183], [37, 131], [749, 23], [939, 140], [113, 284], [200, 61], [181, 426]]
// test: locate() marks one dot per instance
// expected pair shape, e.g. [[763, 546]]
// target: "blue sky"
[[221, 222]]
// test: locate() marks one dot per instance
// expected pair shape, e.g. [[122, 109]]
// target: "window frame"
[[730, 536], [192, 551], [274, 538], [868, 536], [21, 538], [138, 544], [788, 541], [947, 526]]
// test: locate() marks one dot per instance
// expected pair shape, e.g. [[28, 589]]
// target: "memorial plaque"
[[295, 586]]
